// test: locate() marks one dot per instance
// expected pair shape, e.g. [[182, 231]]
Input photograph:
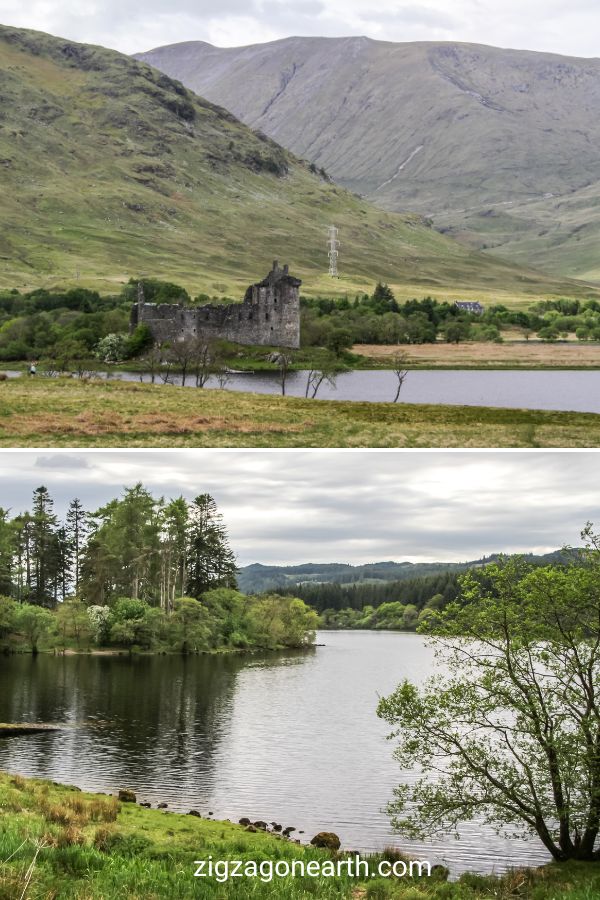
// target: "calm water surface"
[[290, 737], [566, 390]]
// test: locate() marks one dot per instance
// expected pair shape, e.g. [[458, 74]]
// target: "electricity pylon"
[[333, 245]]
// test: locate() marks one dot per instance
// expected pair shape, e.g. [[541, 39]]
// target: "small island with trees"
[[139, 574]]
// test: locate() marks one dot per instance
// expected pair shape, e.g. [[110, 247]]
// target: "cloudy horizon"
[[295, 506], [543, 25]]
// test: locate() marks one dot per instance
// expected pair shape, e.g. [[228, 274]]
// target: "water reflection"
[[291, 737]]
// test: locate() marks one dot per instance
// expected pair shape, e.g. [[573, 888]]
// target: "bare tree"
[[284, 361], [203, 360], [398, 364], [183, 354], [327, 374], [152, 360], [223, 376]]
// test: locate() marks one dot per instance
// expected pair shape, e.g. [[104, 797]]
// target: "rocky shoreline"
[[326, 840]]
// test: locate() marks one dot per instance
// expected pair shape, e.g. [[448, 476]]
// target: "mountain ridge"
[[110, 169], [497, 145], [257, 577]]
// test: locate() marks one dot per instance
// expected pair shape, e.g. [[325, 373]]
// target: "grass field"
[[58, 842], [510, 354], [64, 412]]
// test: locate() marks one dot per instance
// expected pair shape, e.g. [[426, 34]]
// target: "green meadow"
[[66, 412]]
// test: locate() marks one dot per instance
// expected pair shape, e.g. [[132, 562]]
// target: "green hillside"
[[110, 169], [499, 147], [257, 577]]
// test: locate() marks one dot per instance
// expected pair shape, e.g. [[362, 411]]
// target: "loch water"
[[290, 737]]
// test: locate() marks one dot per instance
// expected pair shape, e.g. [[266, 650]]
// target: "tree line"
[[329, 598], [79, 328], [139, 571], [378, 318]]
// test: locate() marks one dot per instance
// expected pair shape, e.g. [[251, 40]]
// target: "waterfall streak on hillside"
[[399, 169]]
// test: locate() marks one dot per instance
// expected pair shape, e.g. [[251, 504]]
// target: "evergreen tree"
[[7, 551], [76, 530], [211, 562], [173, 552], [383, 297], [22, 556], [44, 551], [122, 556]]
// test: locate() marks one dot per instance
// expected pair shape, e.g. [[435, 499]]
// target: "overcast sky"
[[128, 25], [287, 507]]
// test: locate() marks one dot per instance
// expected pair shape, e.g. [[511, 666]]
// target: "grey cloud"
[[297, 506], [411, 15], [130, 26], [63, 461]]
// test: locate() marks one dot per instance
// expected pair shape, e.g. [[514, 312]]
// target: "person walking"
[[32, 369]]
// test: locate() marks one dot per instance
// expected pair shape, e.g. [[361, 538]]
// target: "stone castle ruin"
[[269, 314]]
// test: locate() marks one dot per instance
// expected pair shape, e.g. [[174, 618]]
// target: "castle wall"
[[269, 315]]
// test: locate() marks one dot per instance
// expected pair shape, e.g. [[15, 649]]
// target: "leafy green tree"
[[383, 297], [276, 621], [140, 341], [410, 616], [456, 331], [299, 622], [100, 620], [511, 736], [134, 623], [339, 339], [35, 624], [112, 349], [8, 617], [228, 609], [549, 334], [189, 626], [72, 623]]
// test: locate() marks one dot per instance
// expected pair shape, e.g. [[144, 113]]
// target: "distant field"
[[69, 413], [513, 354]]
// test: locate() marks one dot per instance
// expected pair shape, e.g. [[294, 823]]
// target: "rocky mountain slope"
[[498, 147]]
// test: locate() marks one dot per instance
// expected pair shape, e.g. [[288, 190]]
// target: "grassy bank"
[[56, 841], [70, 413]]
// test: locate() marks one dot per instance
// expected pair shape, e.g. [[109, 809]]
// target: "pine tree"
[[122, 557], [173, 552], [211, 562], [44, 555], [76, 530], [7, 551]]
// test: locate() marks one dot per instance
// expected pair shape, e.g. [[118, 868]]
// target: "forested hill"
[[400, 604], [257, 577], [110, 169]]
